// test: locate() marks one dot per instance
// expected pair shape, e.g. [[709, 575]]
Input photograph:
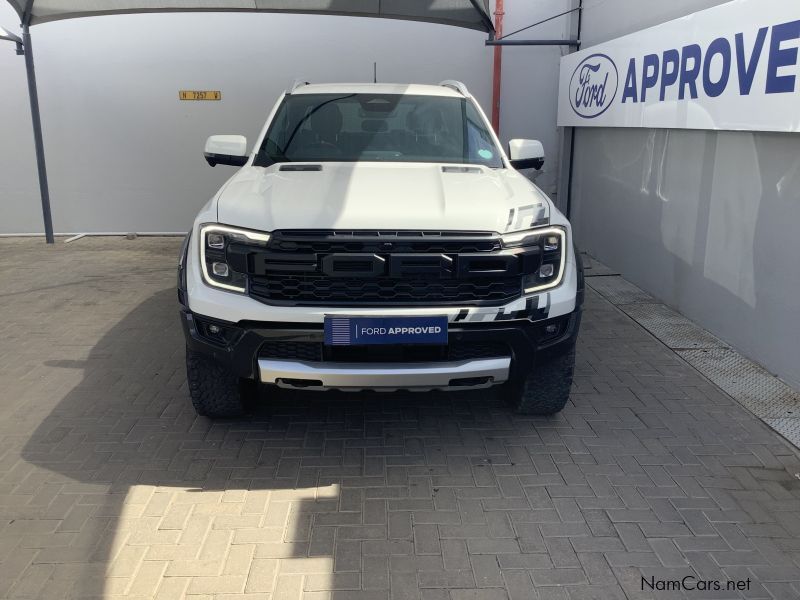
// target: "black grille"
[[310, 351], [384, 268], [319, 289], [315, 351], [468, 351]]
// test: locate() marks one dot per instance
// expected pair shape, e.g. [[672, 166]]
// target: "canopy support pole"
[[497, 68], [37, 133], [571, 158]]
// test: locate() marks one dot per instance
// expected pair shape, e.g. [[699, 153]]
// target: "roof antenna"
[[375, 72]]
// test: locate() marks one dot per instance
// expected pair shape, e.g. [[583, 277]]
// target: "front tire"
[[215, 390], [544, 390]]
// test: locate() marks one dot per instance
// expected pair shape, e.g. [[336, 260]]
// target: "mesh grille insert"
[[319, 289]]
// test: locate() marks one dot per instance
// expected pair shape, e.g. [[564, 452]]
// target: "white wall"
[[530, 80], [123, 154], [704, 220]]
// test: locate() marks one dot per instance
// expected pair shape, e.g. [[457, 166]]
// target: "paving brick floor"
[[111, 486]]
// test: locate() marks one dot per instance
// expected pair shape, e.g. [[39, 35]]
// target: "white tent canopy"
[[8, 36], [472, 14]]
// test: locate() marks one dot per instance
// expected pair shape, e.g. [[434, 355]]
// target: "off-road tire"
[[545, 389], [215, 390]]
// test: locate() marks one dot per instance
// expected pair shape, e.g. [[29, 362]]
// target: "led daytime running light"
[[255, 236]]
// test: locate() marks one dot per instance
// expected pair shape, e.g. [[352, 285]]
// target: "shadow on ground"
[[156, 499]]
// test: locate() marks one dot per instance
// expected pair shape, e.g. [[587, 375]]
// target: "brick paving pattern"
[[110, 486]]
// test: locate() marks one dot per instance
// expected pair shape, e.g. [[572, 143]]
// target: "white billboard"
[[734, 66]]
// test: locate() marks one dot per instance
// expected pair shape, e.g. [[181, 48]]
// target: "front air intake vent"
[[300, 168], [473, 170]]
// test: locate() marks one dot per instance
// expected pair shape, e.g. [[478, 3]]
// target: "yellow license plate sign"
[[200, 95]]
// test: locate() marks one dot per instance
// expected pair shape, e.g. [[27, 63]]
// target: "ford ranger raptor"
[[378, 237]]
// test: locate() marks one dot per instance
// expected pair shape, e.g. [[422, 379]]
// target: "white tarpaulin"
[[8, 36], [473, 14]]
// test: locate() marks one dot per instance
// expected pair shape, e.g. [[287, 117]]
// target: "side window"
[[480, 147]]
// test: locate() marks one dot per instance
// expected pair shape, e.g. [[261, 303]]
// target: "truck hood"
[[382, 196]]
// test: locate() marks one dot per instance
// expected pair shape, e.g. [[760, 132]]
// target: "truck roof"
[[377, 88]]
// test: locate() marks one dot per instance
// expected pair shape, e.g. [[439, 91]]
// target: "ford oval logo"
[[593, 86]]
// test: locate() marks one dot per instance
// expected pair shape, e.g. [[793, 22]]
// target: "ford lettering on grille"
[[363, 269], [353, 265], [398, 265]]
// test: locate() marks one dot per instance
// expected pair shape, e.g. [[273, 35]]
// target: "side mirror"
[[226, 150], [526, 154]]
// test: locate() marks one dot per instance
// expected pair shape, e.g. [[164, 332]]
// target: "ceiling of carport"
[[472, 14]]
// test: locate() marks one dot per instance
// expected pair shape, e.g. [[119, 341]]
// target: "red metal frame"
[[498, 66]]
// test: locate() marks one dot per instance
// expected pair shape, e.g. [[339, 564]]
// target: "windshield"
[[377, 127]]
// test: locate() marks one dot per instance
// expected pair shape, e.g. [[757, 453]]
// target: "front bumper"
[[477, 373], [238, 346]]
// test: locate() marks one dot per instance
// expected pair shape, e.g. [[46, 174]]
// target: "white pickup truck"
[[377, 237]]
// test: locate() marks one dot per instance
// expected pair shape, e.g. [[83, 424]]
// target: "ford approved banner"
[[734, 66]]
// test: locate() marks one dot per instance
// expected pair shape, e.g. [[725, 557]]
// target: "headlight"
[[552, 247], [214, 243]]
